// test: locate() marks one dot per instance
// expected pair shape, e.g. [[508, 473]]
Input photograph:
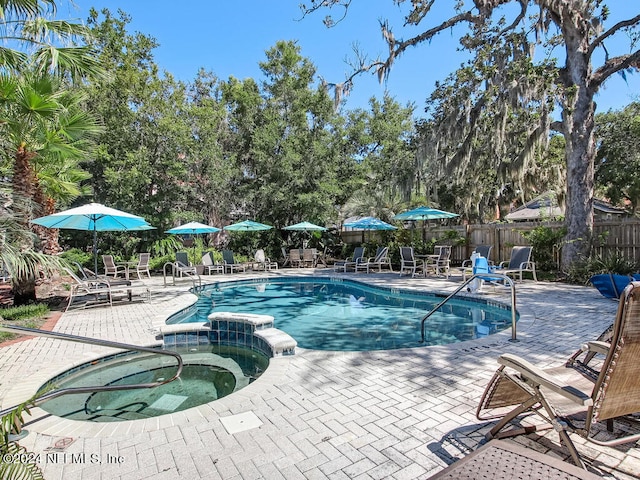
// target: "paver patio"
[[398, 414]]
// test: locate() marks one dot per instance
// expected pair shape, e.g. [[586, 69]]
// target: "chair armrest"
[[539, 377], [596, 347]]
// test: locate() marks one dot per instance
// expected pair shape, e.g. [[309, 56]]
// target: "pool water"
[[209, 373], [325, 314]]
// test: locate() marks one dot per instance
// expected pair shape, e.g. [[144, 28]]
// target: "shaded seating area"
[[519, 263], [352, 263], [580, 397], [230, 264], [101, 290], [380, 260]]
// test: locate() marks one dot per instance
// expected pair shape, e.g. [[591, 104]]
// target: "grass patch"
[[30, 316]]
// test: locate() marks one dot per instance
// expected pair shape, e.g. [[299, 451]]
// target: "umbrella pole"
[[95, 249]]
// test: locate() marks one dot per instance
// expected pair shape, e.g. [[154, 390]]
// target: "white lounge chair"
[[519, 262], [381, 259]]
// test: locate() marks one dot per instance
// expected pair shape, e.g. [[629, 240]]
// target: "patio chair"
[[308, 258], [182, 266], [381, 258], [439, 262], [352, 263], [230, 263], [408, 261], [110, 267], [295, 259], [210, 267], [143, 265], [285, 257], [519, 262], [98, 288], [262, 262], [572, 393]]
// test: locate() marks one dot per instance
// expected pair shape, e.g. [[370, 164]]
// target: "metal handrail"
[[482, 276], [173, 274], [90, 341]]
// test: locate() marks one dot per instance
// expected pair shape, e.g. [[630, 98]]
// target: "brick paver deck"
[[398, 414]]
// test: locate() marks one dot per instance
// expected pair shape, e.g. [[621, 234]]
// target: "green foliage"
[[20, 467], [545, 242], [618, 135], [79, 256], [613, 262], [23, 312]]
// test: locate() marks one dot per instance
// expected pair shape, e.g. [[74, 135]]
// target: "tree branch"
[[612, 66], [618, 26]]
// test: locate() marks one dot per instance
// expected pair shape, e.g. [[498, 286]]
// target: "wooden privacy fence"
[[619, 236]]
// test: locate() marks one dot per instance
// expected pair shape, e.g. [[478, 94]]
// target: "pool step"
[[229, 328]]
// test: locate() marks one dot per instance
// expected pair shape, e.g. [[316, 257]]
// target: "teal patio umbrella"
[[369, 223], [247, 226], [193, 228], [305, 227], [94, 217], [424, 213]]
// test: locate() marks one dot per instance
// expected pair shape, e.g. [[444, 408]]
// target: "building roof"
[[546, 206]]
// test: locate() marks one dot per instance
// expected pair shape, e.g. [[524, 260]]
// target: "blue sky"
[[230, 38]]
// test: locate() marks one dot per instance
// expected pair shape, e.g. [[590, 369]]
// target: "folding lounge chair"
[[519, 262], [356, 259], [230, 263], [97, 287], [576, 391], [381, 258]]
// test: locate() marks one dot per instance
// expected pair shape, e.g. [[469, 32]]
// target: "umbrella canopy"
[[247, 226], [424, 213], [370, 223], [193, 228], [94, 217], [305, 227]]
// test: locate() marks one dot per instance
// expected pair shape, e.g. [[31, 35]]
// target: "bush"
[[613, 262], [545, 241]]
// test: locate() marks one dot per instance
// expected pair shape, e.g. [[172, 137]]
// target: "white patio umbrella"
[[94, 217]]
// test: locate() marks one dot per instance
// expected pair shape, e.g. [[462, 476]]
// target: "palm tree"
[[42, 123], [31, 25]]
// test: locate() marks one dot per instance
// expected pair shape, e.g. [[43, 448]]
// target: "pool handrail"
[[480, 276], [90, 341]]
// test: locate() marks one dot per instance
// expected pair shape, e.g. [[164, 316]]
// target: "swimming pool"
[[210, 372], [344, 315]]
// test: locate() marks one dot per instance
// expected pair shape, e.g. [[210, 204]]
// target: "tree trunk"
[[24, 286], [578, 122]]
